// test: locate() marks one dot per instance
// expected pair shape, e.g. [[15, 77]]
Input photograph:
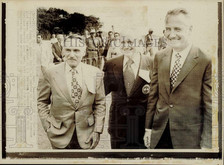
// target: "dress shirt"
[[68, 75], [184, 53], [135, 65]]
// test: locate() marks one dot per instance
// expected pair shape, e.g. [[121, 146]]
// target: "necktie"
[[76, 91], [129, 76], [176, 70]]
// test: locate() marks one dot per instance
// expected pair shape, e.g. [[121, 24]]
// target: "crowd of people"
[[99, 48], [162, 102]]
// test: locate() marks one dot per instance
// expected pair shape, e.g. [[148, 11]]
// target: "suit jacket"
[[56, 49], [188, 107], [122, 106], [60, 119]]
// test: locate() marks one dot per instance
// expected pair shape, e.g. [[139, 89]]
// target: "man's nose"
[[72, 53], [172, 34]]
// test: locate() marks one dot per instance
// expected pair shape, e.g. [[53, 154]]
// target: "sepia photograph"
[[112, 81]]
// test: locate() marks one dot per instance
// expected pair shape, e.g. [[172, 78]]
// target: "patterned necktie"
[[76, 91], [175, 71], [129, 76]]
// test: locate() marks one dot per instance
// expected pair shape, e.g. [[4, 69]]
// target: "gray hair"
[[177, 11]]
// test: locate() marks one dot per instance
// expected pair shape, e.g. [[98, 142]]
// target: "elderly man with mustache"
[[126, 77], [71, 100]]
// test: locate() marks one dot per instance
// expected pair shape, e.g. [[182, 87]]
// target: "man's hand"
[[147, 137], [95, 138]]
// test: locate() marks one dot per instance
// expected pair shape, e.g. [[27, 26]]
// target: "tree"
[[56, 21]]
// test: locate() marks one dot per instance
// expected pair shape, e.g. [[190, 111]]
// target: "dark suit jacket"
[[56, 50], [124, 108], [188, 107]]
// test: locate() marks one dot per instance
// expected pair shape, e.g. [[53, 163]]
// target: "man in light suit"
[[71, 100], [129, 85], [179, 111]]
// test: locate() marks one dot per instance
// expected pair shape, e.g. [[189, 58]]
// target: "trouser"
[[92, 58], [165, 141], [73, 144]]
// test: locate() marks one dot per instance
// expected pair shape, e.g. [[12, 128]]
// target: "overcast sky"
[[136, 17]]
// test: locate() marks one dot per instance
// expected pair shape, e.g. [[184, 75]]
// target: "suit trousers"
[[165, 141], [73, 144]]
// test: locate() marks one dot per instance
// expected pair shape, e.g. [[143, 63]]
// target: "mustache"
[[173, 38], [71, 59], [129, 48]]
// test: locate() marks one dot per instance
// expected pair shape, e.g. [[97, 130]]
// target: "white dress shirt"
[[135, 65], [68, 75], [184, 53]]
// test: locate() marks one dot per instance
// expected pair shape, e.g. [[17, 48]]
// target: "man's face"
[[178, 30], [92, 34], [60, 38], [127, 46], [110, 35], [116, 36], [39, 39], [73, 51]]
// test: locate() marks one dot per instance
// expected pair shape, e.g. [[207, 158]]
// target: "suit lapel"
[[118, 68], [189, 64], [60, 81], [165, 73]]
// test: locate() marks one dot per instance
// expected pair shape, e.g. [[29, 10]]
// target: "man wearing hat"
[[71, 100], [126, 77], [93, 44]]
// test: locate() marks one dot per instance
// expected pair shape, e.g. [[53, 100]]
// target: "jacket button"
[[171, 105]]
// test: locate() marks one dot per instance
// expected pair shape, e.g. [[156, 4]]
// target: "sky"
[[134, 18]]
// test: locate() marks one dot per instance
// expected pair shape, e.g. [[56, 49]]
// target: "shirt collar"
[[69, 69], [136, 59], [184, 52]]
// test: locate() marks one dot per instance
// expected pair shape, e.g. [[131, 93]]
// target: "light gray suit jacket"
[[56, 109]]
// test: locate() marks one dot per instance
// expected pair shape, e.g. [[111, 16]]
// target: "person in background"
[[101, 49], [108, 43], [149, 42], [162, 44], [93, 44], [43, 55], [53, 39], [57, 49], [115, 47]]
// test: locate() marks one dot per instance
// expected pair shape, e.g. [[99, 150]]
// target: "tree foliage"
[[56, 21]]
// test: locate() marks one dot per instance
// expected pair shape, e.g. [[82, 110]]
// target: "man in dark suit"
[[127, 78], [57, 49], [179, 111]]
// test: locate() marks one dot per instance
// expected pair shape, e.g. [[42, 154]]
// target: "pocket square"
[[144, 74]]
